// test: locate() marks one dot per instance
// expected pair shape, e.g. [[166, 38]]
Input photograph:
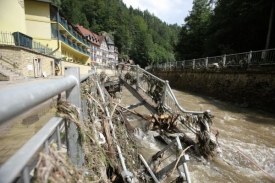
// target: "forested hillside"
[[139, 35], [213, 27], [216, 27]]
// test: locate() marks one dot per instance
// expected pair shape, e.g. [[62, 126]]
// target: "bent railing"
[[154, 88], [15, 101]]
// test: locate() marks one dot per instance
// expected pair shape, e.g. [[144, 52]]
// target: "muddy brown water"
[[244, 134], [242, 131]]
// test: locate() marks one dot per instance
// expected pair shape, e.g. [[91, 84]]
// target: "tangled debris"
[[166, 125], [102, 163], [202, 124], [99, 140]]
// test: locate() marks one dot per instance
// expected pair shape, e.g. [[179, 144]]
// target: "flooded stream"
[[246, 138]]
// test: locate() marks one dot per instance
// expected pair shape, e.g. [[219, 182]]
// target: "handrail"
[[152, 75], [177, 103], [166, 103], [9, 60], [11, 168], [16, 101]]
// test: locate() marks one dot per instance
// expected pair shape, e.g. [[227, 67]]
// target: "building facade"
[[102, 48], [38, 25]]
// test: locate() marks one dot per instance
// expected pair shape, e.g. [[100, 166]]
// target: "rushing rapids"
[[246, 140]]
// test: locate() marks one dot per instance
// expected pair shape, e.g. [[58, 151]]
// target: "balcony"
[[23, 40], [73, 45], [70, 29]]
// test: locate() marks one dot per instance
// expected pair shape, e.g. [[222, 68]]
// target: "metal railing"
[[15, 101], [64, 23], [72, 45], [154, 88], [241, 60], [19, 39]]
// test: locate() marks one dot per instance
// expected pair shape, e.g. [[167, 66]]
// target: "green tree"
[[193, 33], [238, 26], [139, 35]]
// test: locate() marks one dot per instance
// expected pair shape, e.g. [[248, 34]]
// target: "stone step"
[[12, 78], [5, 70], [9, 73], [3, 78]]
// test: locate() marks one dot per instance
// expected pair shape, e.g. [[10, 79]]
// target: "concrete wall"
[[25, 60], [12, 16], [248, 89], [84, 69]]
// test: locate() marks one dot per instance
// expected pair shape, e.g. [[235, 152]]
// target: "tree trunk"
[[270, 26]]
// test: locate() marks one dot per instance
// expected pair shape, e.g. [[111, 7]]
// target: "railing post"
[[137, 83], [194, 63], [206, 62], [73, 96], [224, 60], [185, 159], [58, 137], [164, 92], [249, 57], [26, 175], [18, 39]]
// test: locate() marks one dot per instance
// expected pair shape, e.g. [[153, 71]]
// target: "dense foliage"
[[213, 27], [139, 35], [226, 26]]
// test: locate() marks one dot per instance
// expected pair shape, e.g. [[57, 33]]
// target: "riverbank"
[[252, 90]]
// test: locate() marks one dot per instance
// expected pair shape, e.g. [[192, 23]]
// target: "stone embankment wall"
[[245, 88], [84, 69], [24, 59]]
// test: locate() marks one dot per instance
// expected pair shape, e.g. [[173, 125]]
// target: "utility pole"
[[270, 26]]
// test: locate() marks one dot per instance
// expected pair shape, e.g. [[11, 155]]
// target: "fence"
[[241, 60], [154, 88], [15, 101], [19, 39]]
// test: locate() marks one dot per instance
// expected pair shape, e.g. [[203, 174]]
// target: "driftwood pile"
[[102, 163], [166, 125]]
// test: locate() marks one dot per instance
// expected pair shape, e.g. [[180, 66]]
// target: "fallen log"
[[111, 150]]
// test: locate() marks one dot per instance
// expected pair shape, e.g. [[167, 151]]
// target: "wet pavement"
[[16, 132]]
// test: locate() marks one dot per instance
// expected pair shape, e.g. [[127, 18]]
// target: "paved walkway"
[[16, 132], [8, 84]]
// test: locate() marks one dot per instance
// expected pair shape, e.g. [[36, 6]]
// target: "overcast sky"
[[170, 11]]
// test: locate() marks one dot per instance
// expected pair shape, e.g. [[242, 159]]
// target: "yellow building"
[[41, 27], [12, 16], [46, 24]]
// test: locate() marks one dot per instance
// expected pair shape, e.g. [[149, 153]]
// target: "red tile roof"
[[101, 38], [86, 32]]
